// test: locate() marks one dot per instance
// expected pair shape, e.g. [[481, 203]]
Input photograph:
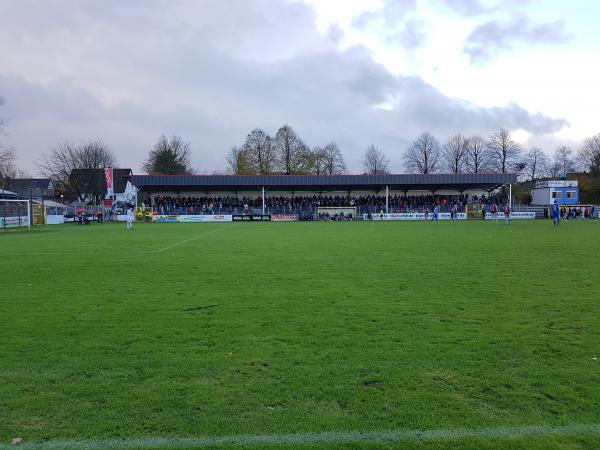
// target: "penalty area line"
[[185, 241], [331, 438]]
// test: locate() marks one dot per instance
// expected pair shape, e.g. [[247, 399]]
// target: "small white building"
[[563, 192]]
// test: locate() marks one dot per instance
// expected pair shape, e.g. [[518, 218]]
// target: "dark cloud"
[[127, 78], [490, 38]]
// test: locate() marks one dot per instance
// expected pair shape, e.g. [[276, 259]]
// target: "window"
[[571, 194], [556, 194]]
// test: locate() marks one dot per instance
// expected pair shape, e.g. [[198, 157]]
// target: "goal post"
[[15, 213]]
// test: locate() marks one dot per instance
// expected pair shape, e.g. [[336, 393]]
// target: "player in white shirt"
[[130, 218]]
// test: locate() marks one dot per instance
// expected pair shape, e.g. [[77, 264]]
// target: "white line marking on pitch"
[[331, 438], [185, 241]]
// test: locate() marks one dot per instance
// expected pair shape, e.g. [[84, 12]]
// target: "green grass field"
[[480, 335]]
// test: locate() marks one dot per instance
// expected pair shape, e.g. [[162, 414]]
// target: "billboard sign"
[[191, 218], [284, 217], [251, 217], [513, 215], [413, 216]]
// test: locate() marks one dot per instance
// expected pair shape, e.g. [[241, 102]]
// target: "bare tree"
[[374, 161], [333, 160], [504, 151], [237, 161], [66, 156], [536, 163], [478, 156], [455, 153], [424, 155], [554, 169], [292, 152], [562, 156], [169, 156], [95, 155], [317, 159], [59, 162], [8, 170], [589, 154], [259, 150]]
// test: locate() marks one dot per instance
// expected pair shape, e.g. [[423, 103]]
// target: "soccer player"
[[130, 218], [507, 214], [494, 212], [436, 213], [555, 214], [454, 215]]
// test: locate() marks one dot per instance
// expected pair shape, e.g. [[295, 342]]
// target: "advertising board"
[[8, 222], [284, 217], [522, 215], [191, 218], [251, 217], [52, 219], [413, 216]]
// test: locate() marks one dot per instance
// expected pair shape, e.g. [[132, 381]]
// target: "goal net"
[[15, 213]]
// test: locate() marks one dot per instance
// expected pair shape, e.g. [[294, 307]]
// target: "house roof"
[[24, 186], [120, 177]]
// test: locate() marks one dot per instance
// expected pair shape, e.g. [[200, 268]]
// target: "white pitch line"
[[185, 241], [326, 438]]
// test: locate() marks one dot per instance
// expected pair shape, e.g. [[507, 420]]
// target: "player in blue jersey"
[[555, 214], [436, 213]]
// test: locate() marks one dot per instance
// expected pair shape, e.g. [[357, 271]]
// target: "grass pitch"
[[202, 330]]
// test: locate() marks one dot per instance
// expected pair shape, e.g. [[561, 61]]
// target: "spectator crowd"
[[309, 204]]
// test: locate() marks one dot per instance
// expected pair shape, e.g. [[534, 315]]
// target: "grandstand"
[[305, 194]]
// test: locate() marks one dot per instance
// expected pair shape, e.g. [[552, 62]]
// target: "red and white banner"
[[108, 174]]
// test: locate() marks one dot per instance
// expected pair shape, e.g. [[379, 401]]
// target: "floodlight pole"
[[387, 195], [510, 196]]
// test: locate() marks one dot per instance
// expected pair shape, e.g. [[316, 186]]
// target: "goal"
[[15, 213]]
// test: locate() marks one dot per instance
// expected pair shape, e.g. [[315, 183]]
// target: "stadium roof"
[[402, 182]]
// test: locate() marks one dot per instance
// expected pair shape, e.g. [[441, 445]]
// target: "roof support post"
[[510, 196], [263, 200], [387, 198]]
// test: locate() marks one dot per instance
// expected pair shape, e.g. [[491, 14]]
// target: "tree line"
[[287, 153], [499, 153]]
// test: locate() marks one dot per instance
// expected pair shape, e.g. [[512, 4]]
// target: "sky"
[[355, 72]]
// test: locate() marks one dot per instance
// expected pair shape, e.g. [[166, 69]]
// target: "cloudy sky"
[[357, 72]]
